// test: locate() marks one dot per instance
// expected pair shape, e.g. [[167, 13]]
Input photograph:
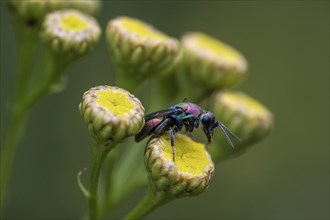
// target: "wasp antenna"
[[185, 99], [224, 130], [229, 131]]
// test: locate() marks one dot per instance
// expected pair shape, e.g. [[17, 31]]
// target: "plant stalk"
[[93, 201], [150, 201]]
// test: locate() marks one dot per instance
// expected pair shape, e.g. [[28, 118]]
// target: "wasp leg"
[[172, 134], [162, 127]]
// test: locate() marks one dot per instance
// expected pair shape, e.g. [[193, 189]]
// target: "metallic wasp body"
[[185, 114]]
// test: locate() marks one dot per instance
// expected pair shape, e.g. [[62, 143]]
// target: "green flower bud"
[[91, 7], [211, 63], [247, 118], [32, 12], [138, 50], [188, 175], [70, 33], [112, 114]]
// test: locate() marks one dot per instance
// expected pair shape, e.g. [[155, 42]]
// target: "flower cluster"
[[197, 67], [202, 66], [63, 34]]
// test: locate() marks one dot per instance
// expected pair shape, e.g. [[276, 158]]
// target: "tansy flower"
[[111, 113], [91, 7], [188, 175], [138, 50], [32, 12], [71, 33], [212, 63], [246, 117]]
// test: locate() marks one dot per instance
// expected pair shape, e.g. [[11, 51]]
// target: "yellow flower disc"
[[141, 29], [112, 113], [115, 102], [73, 23], [70, 33], [188, 175], [190, 156]]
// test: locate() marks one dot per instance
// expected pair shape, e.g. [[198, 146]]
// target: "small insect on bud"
[[139, 50], [211, 62], [111, 113], [188, 175], [246, 117], [71, 33]]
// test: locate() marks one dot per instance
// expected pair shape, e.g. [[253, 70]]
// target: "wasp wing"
[[160, 114], [153, 120], [145, 132]]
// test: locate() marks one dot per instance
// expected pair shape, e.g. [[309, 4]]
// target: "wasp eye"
[[207, 120]]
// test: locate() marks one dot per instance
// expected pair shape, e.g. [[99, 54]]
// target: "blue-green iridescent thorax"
[[189, 108]]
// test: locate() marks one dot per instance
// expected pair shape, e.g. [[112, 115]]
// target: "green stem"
[[53, 68], [126, 80], [93, 201], [27, 43], [150, 201], [112, 163], [14, 131], [25, 99]]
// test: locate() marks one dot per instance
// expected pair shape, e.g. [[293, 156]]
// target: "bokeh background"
[[286, 176]]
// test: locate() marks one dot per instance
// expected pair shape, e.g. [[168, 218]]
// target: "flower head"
[[71, 32], [91, 7], [32, 12], [246, 117], [138, 50], [188, 175], [112, 114], [211, 62]]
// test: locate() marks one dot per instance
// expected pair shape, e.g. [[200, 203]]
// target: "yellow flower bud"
[[111, 113], [188, 175], [91, 7], [138, 50], [71, 33], [247, 118], [32, 12], [212, 63]]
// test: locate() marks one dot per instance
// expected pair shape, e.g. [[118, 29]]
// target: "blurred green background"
[[284, 176]]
